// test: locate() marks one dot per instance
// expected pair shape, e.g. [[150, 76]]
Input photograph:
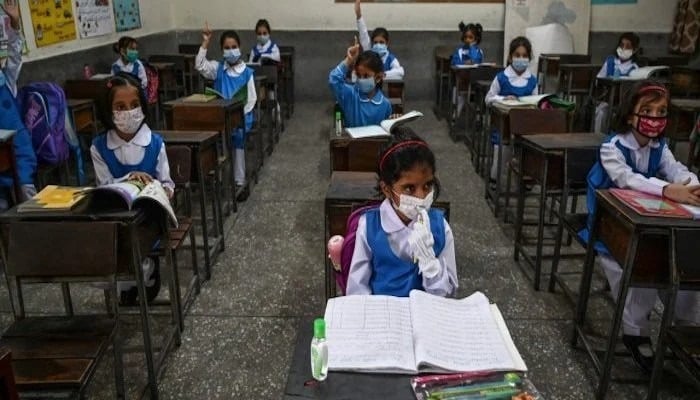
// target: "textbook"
[[199, 98], [653, 206], [213, 92], [53, 198], [419, 333], [533, 101], [470, 66], [384, 128], [645, 73]]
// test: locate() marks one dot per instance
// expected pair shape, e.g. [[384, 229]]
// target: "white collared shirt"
[[130, 153], [396, 71], [624, 177], [624, 67], [274, 55], [443, 284], [516, 80], [209, 68], [13, 66], [130, 67]]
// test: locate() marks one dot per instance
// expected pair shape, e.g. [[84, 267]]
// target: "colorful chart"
[[127, 15], [53, 21], [94, 18]]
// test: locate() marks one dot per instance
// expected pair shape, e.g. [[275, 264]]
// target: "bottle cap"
[[319, 328], [337, 114]]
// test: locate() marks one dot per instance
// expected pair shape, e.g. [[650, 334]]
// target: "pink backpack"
[[341, 277]]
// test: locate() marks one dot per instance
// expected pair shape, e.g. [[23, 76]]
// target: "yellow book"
[[53, 198]]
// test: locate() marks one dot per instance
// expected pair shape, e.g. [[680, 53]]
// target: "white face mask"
[[410, 206], [624, 54], [130, 121]]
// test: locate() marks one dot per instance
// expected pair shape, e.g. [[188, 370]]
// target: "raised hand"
[[206, 35], [11, 8], [353, 51], [358, 9]]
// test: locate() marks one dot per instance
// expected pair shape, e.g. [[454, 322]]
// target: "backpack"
[[153, 83], [43, 107], [348, 248]]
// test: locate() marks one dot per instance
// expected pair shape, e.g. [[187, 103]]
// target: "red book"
[[654, 206]]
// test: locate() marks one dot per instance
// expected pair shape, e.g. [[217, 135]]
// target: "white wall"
[[156, 16], [645, 16]]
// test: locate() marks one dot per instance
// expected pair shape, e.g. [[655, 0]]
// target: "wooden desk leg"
[[540, 222], [586, 278], [203, 216], [553, 277], [520, 208], [611, 107], [174, 287], [617, 318], [499, 172], [218, 213]]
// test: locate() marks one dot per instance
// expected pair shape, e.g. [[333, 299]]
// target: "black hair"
[[229, 35], [372, 61], [124, 43], [517, 42], [379, 31], [393, 160], [633, 96], [475, 29], [121, 79], [263, 23], [634, 39]]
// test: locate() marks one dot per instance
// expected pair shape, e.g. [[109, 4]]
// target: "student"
[[11, 66], [404, 228], [379, 44], [265, 49], [231, 76], [467, 54], [637, 157], [362, 102], [128, 60], [130, 151], [620, 64], [513, 82]]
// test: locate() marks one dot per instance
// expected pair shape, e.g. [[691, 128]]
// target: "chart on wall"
[[94, 18], [52, 20], [127, 15], [8, 26]]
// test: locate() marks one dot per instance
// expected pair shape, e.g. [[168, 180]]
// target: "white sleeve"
[[142, 75], [252, 96], [252, 56], [673, 170], [14, 59], [494, 91], [396, 71], [623, 176], [163, 169], [274, 55], [361, 264], [102, 174], [207, 68], [445, 282], [603, 71], [365, 41], [535, 90]]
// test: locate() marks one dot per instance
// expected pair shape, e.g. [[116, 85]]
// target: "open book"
[[121, 195], [419, 333], [384, 128], [533, 101], [653, 206], [469, 66], [645, 72]]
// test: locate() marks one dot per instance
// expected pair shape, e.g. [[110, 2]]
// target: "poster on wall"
[[53, 21], [8, 25], [614, 1], [127, 15], [94, 18]]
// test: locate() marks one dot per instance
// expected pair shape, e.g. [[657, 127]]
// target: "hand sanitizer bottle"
[[319, 351], [338, 123]]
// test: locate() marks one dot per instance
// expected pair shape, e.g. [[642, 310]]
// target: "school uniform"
[[13, 65], [269, 51], [136, 69], [229, 80], [466, 53], [508, 83], [382, 261], [625, 164], [358, 109], [611, 64], [392, 67]]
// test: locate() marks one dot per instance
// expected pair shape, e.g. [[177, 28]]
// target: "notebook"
[[384, 128], [654, 206], [418, 333]]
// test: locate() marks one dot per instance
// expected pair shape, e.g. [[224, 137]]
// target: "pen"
[[499, 395]]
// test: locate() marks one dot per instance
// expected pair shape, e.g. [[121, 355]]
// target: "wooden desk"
[[482, 133], [90, 89], [459, 79], [346, 191], [443, 58], [548, 65], [685, 81], [535, 153], [218, 115], [395, 92], [287, 58], [137, 231], [204, 147], [577, 79], [361, 155], [683, 114], [641, 246]]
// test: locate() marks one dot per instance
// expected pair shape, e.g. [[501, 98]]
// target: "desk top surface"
[[352, 185], [213, 103], [562, 141], [189, 137], [339, 385], [162, 65], [686, 104], [609, 201], [72, 103], [579, 66], [84, 211]]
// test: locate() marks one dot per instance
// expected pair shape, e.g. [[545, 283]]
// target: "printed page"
[[458, 335], [694, 210], [370, 334], [388, 124], [366, 131], [155, 192], [126, 190]]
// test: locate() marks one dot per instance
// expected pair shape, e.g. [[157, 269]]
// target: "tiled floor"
[[241, 329]]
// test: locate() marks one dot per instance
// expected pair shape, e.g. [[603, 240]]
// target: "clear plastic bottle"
[[319, 351], [338, 123]]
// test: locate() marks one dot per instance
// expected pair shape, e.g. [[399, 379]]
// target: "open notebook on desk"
[[654, 206], [419, 333], [384, 128]]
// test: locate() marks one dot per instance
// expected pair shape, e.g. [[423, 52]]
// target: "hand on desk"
[[141, 177], [510, 98], [683, 193], [394, 116]]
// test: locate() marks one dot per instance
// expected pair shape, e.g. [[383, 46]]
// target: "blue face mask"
[[520, 64], [380, 48], [366, 85], [232, 55]]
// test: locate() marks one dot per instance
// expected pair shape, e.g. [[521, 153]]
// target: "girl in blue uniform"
[[404, 244], [362, 102], [130, 151], [637, 157], [379, 43], [128, 60], [467, 54], [231, 78], [513, 82], [266, 48]]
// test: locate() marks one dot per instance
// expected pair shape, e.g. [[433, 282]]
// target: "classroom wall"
[[643, 16]]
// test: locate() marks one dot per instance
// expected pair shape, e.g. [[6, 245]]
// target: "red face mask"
[[651, 127]]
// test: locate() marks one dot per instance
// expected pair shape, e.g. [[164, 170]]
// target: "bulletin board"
[[94, 18], [127, 15], [53, 21]]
